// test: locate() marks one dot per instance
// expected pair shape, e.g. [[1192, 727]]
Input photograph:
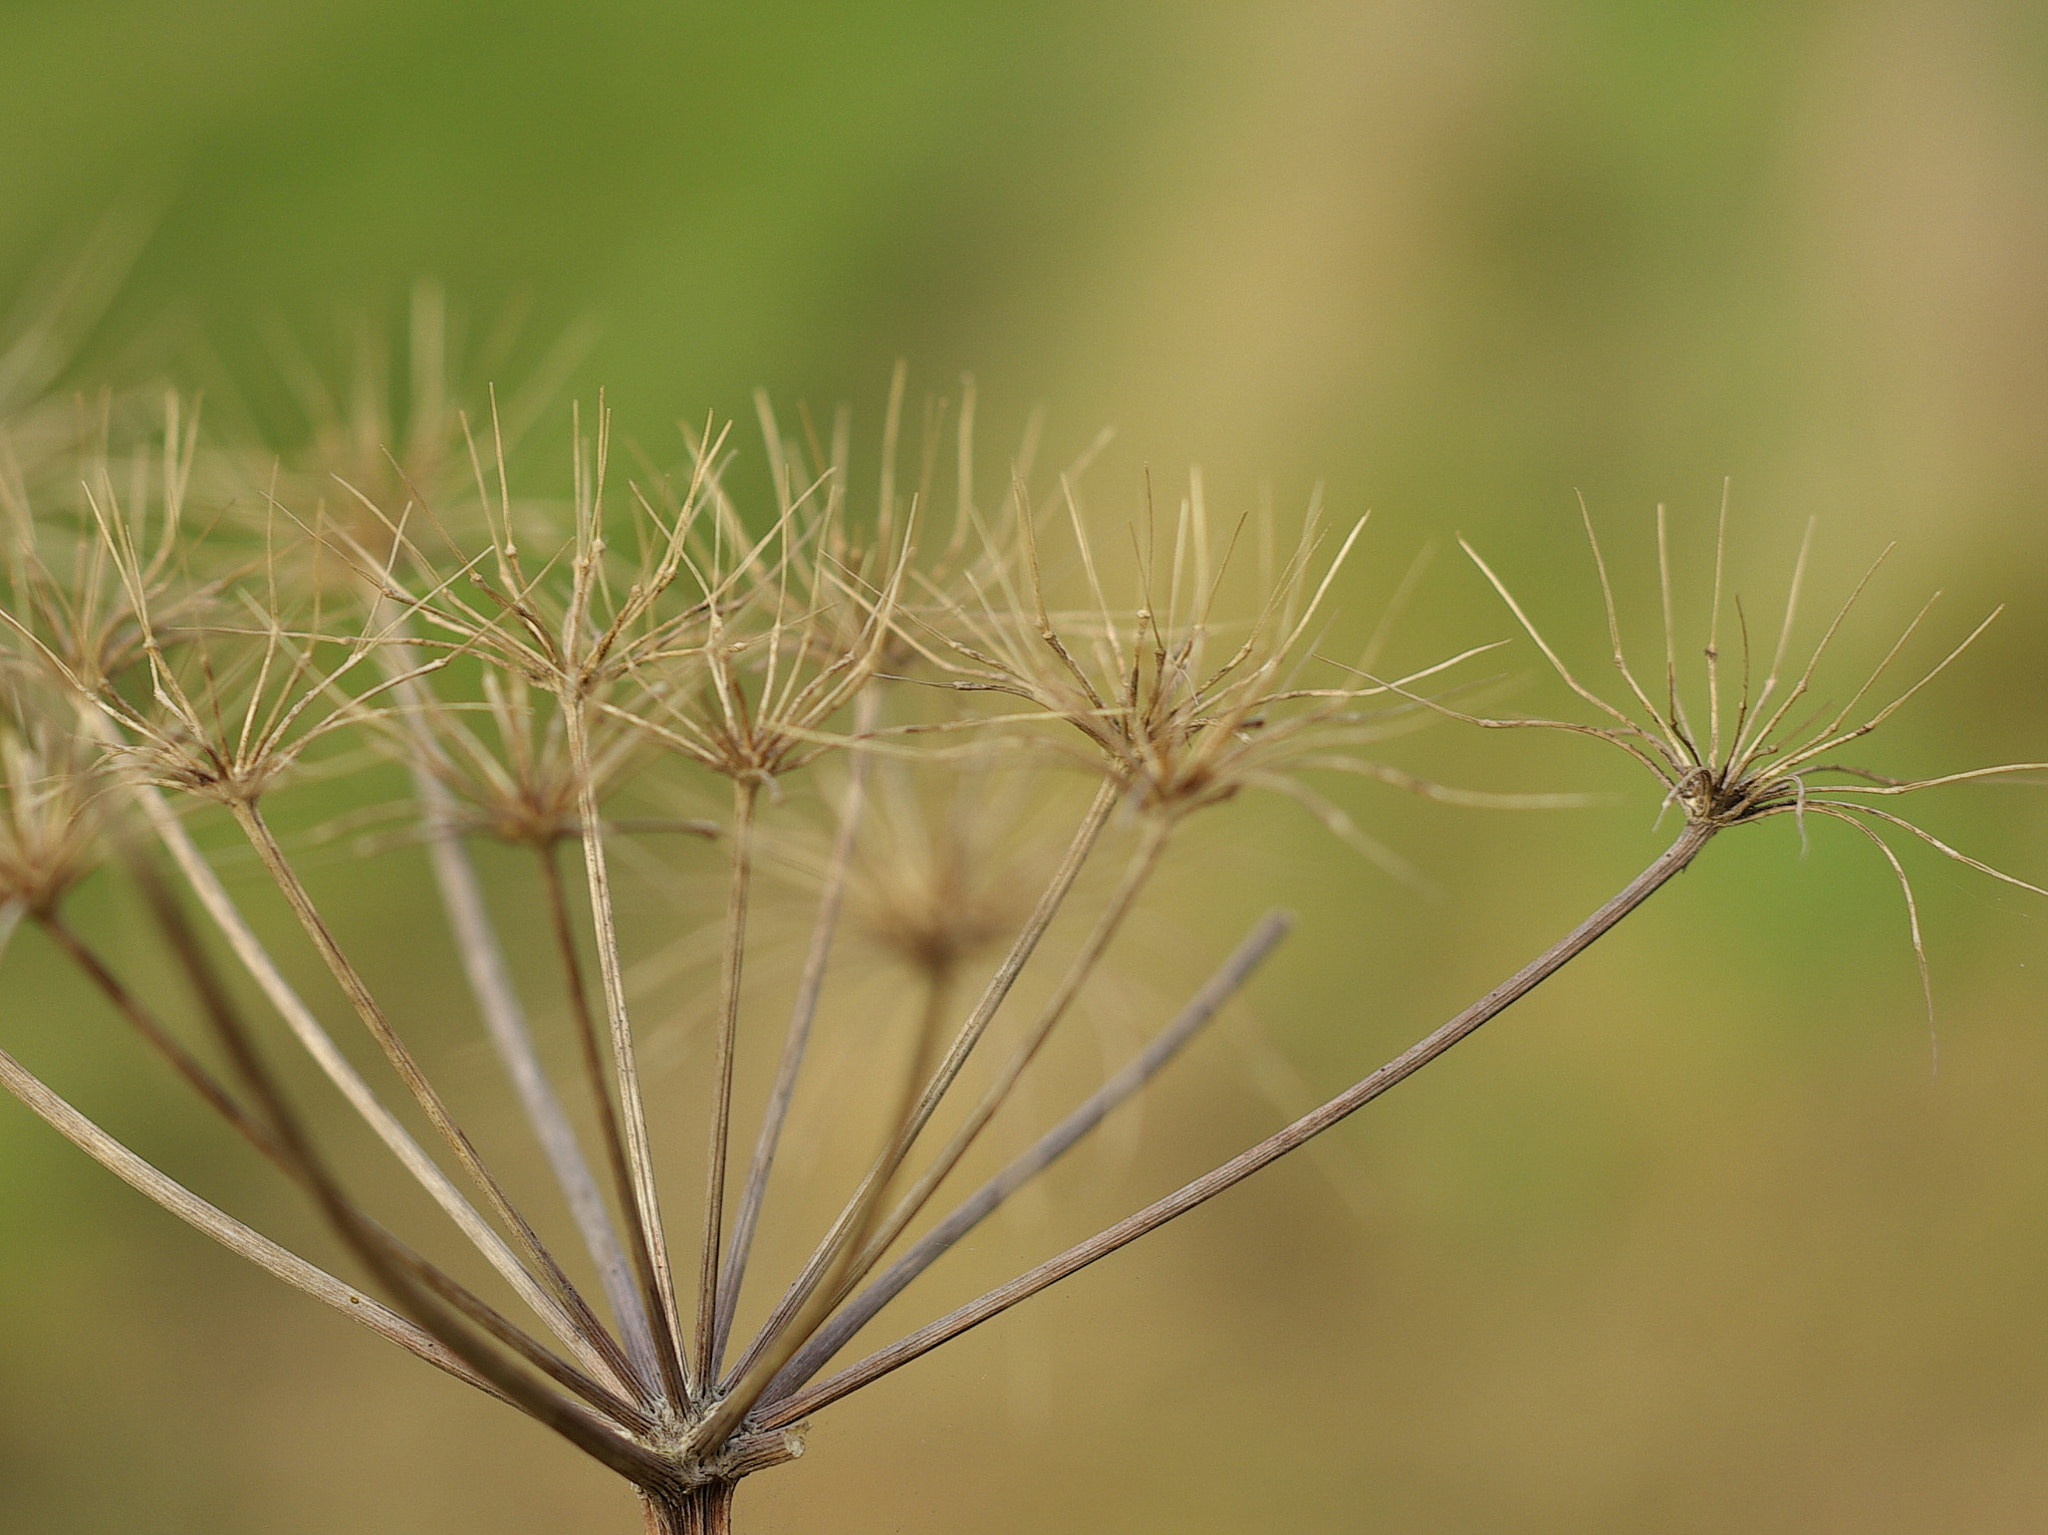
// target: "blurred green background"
[[1693, 1240]]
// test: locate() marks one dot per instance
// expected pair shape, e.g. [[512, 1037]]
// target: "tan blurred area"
[[1713, 1235]]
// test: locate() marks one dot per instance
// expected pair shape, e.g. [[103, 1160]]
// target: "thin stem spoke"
[[490, 982], [1144, 862], [810, 987], [993, 995], [216, 1003], [285, 1143], [582, 1329], [744, 793], [596, 1074], [328, 1056], [181, 1060], [646, 1207], [1042, 1153], [224, 1228], [1235, 1171]]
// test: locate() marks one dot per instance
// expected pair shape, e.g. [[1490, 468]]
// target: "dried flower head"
[[1745, 751], [1179, 704], [87, 565], [50, 819], [502, 756], [946, 875]]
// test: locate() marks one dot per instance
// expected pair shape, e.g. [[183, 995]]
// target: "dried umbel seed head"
[[795, 626], [947, 874], [1180, 703], [572, 621], [50, 833], [1743, 751], [231, 710], [92, 563], [732, 649], [182, 656], [501, 754]]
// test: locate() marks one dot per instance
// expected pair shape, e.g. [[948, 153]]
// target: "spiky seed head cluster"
[[50, 833], [182, 654], [947, 877], [716, 643], [1744, 751], [503, 756], [1181, 704], [89, 571]]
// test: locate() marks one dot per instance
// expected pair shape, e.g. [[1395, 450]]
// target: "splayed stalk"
[[284, 1139], [646, 1206], [668, 1358], [924, 1043], [1210, 1184], [1158, 830], [578, 1325], [483, 961], [421, 1287], [1035, 1159], [810, 987], [144, 1022], [254, 958], [223, 1228], [749, 1376], [745, 791], [497, 999]]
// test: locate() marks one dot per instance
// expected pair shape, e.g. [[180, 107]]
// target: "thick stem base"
[[705, 1510]]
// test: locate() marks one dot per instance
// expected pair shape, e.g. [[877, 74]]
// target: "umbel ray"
[[571, 691]]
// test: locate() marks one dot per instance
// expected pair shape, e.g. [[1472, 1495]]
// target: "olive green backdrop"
[[1695, 1240]]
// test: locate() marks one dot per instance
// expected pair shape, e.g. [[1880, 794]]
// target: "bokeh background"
[[1696, 1240]]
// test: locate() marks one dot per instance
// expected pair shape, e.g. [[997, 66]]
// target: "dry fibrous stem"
[[1268, 1151], [787, 1325], [583, 697], [230, 1233], [744, 794], [1041, 1154]]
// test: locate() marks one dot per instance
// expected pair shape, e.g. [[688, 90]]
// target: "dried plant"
[[564, 697]]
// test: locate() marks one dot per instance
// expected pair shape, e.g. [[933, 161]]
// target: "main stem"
[[705, 1510]]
